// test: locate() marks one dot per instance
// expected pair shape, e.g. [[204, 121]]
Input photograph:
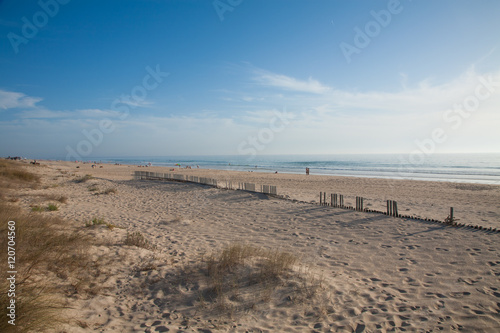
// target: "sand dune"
[[369, 272]]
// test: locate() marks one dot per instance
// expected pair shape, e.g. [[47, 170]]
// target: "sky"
[[116, 78]]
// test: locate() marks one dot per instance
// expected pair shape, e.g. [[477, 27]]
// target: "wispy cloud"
[[137, 104], [40, 113], [421, 97], [289, 83], [12, 100]]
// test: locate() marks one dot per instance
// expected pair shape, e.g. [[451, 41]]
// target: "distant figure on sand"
[[307, 171]]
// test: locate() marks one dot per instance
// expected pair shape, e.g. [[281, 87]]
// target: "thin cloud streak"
[[14, 100], [77, 114], [288, 83]]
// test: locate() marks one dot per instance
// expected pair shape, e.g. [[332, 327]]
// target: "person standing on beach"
[[307, 171]]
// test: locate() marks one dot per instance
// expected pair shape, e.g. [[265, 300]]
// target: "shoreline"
[[270, 171], [479, 168]]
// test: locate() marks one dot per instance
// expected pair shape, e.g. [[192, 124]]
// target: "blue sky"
[[82, 79]]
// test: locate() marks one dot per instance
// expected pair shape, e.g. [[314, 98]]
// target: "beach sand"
[[356, 271]]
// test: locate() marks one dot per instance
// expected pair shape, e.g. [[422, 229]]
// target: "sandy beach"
[[354, 271]]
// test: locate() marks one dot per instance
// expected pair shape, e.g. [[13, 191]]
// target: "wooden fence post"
[[320, 197]]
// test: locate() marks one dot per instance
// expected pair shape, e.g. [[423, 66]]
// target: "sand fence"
[[229, 185], [337, 201]]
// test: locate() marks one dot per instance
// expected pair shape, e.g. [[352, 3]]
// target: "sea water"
[[470, 168]]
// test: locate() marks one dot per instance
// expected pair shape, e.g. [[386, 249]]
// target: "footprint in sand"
[[359, 328], [411, 247], [492, 291], [474, 251], [435, 295], [411, 261], [458, 294], [470, 282], [442, 249], [340, 263], [439, 305]]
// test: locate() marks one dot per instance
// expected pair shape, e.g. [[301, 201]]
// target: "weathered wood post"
[[392, 208], [331, 199], [451, 215], [324, 199], [320, 197]]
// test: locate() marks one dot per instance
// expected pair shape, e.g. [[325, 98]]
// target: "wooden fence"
[[266, 189], [337, 201]]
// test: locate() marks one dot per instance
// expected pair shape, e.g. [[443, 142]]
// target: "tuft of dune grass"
[[49, 208], [60, 198], [110, 190], [43, 249], [84, 179], [137, 239], [241, 277], [12, 175], [272, 264], [98, 221]]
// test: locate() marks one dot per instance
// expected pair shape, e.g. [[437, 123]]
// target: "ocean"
[[467, 168]]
